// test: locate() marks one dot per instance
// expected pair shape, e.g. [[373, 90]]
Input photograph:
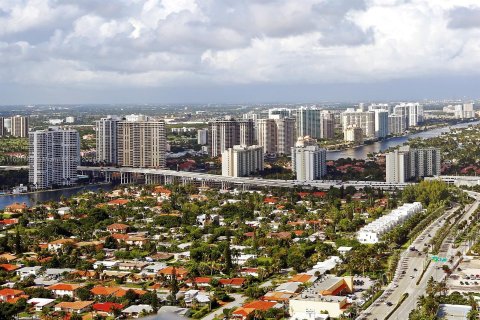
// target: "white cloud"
[[173, 42]]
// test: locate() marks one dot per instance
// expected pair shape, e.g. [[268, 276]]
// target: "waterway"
[[33, 198], [361, 152]]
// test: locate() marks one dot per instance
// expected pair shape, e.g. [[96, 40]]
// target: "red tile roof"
[[107, 306]]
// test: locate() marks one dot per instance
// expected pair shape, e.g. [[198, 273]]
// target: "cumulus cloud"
[[155, 43]]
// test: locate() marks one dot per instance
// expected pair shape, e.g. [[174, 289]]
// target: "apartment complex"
[[53, 157], [361, 119], [405, 164], [142, 144], [241, 160], [373, 232], [353, 134], [308, 160], [381, 123], [16, 126], [202, 136], [228, 132], [106, 135], [276, 135], [315, 123]]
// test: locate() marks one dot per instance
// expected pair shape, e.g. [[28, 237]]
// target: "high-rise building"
[[353, 134], [2, 127], [308, 160], [381, 123], [228, 132], [19, 126], [396, 124], [468, 111], [106, 138], [267, 135], [285, 135], [415, 114], [405, 164], [276, 135], [315, 123], [404, 111], [364, 120], [242, 161], [53, 157], [279, 113], [142, 144], [202, 137]]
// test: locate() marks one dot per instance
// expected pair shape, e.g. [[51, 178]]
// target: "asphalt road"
[[239, 300], [409, 270]]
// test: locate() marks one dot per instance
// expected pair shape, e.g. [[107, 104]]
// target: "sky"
[[237, 51]]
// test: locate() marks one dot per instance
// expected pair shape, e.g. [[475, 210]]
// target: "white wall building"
[[364, 120], [241, 161], [308, 160], [405, 163], [106, 139], [381, 123], [373, 232], [353, 134], [202, 136], [53, 157]]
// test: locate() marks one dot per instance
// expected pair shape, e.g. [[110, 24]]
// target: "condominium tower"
[[106, 137], [276, 135], [308, 160], [315, 123], [241, 161], [19, 126], [405, 164], [228, 132], [53, 157], [142, 144]]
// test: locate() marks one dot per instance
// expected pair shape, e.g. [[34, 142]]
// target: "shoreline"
[[53, 190]]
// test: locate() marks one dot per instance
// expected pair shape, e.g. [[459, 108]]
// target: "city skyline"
[[224, 52]]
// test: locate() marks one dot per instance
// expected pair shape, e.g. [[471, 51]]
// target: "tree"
[[18, 242]]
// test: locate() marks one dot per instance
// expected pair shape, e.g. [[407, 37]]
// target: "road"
[[239, 300], [406, 277]]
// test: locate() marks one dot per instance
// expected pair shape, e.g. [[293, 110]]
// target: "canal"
[[361, 152], [32, 198]]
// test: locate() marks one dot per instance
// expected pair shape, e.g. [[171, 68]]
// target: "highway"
[[244, 181], [410, 268]]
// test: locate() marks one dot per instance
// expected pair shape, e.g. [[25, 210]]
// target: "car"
[[415, 269], [388, 303], [404, 272]]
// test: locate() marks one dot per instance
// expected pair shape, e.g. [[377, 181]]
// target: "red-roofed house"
[[9, 267], [236, 283], [8, 294], [65, 289], [107, 308], [16, 207], [118, 202], [118, 228], [169, 271]]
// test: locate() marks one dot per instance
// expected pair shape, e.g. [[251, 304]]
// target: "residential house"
[[118, 228], [74, 307], [28, 271], [8, 295], [65, 289], [40, 303], [135, 311], [59, 244], [107, 308]]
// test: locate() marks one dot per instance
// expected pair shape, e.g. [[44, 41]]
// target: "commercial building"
[[405, 164], [353, 134], [19, 126], [142, 144], [106, 138], [241, 160], [228, 132], [328, 295], [276, 135], [315, 123], [381, 123], [364, 120], [308, 160], [69, 119], [202, 137], [373, 232], [53, 157]]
